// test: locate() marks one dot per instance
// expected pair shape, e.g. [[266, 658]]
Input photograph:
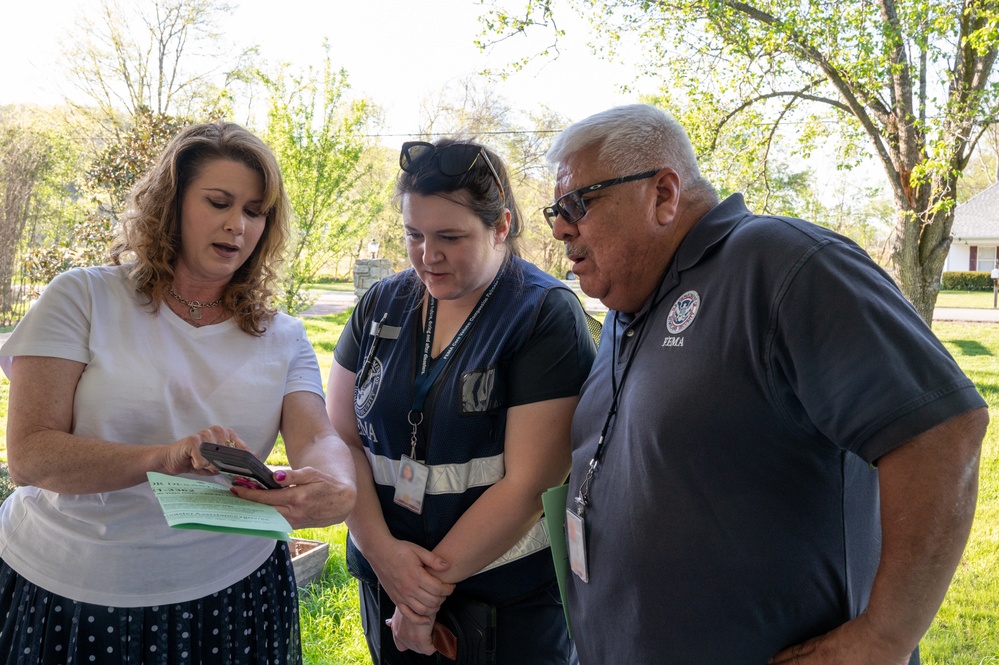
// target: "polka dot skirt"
[[253, 622]]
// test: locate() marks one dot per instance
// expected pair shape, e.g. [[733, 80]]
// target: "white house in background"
[[976, 233]]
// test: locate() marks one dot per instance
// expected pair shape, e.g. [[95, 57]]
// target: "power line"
[[494, 133]]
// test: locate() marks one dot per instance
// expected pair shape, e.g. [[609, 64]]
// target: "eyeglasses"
[[572, 207], [452, 160]]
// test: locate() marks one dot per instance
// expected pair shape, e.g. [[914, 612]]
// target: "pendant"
[[194, 313]]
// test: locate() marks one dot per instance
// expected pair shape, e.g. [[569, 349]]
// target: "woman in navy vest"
[[454, 386]]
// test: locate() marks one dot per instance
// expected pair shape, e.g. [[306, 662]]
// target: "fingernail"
[[233, 490], [279, 475]]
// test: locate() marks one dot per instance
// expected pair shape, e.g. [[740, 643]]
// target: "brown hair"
[[150, 228], [475, 189]]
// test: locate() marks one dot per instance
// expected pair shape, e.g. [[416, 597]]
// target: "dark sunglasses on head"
[[451, 160], [572, 207]]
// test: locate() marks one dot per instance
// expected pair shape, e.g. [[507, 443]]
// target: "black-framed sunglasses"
[[572, 207], [452, 160]]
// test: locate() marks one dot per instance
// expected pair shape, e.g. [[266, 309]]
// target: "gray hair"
[[631, 139]]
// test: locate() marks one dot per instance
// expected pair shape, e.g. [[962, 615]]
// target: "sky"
[[396, 52]]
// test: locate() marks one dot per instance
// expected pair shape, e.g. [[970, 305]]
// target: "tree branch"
[[851, 96], [794, 94]]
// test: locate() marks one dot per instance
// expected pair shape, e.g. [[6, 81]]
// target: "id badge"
[[575, 529], [411, 484]]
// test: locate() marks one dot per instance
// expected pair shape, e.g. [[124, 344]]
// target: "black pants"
[[529, 630]]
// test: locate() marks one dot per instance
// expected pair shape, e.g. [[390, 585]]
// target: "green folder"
[[554, 504]]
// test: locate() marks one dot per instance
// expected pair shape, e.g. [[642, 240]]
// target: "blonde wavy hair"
[[149, 237]]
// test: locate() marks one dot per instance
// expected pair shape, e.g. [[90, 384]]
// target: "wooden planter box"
[[308, 558]]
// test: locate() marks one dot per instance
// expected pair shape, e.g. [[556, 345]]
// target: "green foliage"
[[317, 134], [87, 246], [966, 281], [120, 165], [7, 485], [740, 73], [39, 162], [522, 141], [24, 157]]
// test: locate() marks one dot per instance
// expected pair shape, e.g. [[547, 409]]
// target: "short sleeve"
[[57, 325], [557, 356], [862, 370], [348, 347], [303, 370]]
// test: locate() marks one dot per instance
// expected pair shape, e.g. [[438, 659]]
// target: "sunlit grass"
[[331, 286], [329, 610], [971, 299], [965, 632]]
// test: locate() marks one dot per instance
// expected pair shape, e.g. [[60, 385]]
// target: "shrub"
[[966, 281], [7, 485]]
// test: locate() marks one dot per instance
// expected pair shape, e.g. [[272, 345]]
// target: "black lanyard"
[[428, 374], [583, 496]]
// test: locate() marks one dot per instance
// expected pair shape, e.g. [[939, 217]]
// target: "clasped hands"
[[409, 575]]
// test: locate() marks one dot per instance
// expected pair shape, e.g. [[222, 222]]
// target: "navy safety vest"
[[464, 420]]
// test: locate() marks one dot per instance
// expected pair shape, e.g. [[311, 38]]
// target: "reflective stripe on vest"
[[444, 478], [456, 479]]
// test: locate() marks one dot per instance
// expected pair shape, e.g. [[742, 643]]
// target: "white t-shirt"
[[150, 379]]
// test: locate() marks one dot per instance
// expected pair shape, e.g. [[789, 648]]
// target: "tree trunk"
[[923, 239]]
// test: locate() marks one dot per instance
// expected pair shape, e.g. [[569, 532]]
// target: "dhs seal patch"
[[364, 396], [682, 314]]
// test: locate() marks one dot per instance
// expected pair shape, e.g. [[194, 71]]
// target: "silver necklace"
[[194, 307]]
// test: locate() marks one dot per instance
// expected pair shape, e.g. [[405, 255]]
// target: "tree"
[[23, 157], [381, 167], [914, 78], [120, 165], [475, 112], [166, 58], [39, 196], [318, 136], [86, 237], [983, 170], [535, 184]]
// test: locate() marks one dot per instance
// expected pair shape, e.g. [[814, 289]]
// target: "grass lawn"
[[972, 299], [965, 632], [331, 286]]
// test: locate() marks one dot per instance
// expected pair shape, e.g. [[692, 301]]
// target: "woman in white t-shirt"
[[124, 369]]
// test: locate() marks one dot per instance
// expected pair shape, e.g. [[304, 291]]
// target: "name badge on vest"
[[411, 484]]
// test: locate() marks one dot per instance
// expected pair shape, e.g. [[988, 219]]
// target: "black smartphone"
[[240, 466]]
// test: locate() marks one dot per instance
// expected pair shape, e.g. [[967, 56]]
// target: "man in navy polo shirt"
[[774, 459]]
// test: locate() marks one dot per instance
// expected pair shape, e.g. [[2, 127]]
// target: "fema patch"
[[364, 396], [682, 314]]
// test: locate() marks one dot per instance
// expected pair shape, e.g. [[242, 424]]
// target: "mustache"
[[573, 250]]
